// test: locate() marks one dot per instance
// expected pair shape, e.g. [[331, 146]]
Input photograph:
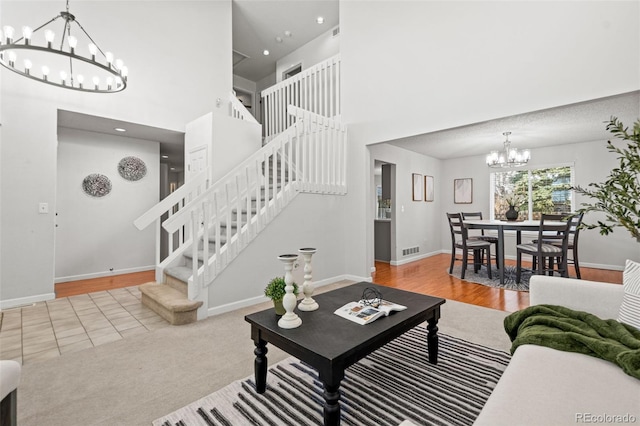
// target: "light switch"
[[43, 208]]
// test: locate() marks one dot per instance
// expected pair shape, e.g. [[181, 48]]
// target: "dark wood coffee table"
[[330, 343]]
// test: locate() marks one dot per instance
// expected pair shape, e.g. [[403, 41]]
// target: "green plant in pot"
[[618, 197], [275, 291]]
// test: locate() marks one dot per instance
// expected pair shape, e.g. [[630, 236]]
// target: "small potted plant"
[[275, 291]]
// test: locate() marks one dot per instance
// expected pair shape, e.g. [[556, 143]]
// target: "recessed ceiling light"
[[120, 129], [265, 52], [320, 20], [287, 33], [279, 39]]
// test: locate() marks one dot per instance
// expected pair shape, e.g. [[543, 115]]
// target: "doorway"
[[384, 217]]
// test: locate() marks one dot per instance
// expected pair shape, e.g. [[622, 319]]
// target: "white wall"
[[95, 236], [229, 141], [165, 90], [309, 221], [417, 223], [317, 50], [416, 67]]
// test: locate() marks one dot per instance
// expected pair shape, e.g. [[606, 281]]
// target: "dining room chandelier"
[[509, 157], [76, 62]]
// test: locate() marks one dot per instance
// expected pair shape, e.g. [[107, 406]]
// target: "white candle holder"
[[307, 304], [290, 319]]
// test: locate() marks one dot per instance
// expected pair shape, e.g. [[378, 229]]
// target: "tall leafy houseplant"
[[619, 196]]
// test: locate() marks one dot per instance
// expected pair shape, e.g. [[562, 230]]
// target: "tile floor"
[[50, 329]]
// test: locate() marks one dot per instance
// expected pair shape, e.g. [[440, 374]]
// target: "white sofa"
[[543, 386]]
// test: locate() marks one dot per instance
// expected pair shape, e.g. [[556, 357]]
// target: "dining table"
[[507, 225]]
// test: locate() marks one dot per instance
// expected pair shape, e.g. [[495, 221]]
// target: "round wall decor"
[[132, 168], [96, 185]]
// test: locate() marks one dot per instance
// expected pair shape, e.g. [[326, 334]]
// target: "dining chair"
[[572, 246], [481, 236], [460, 240], [545, 255]]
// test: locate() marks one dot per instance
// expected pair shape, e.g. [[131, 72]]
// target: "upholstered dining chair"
[[545, 255], [460, 240], [480, 235]]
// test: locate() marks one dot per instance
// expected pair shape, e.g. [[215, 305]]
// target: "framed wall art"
[[416, 188], [463, 191], [428, 188]]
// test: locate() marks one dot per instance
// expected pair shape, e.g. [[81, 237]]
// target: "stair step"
[[179, 273], [169, 303]]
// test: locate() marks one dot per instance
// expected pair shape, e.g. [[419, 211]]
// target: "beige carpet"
[[139, 379]]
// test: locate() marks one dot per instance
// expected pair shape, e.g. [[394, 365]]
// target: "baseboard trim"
[[104, 274], [217, 310], [26, 301], [414, 258]]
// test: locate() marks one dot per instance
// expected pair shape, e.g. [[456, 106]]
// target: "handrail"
[[316, 89], [239, 111], [177, 220], [151, 215]]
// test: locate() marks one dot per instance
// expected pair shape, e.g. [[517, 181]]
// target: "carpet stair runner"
[[391, 385], [169, 300]]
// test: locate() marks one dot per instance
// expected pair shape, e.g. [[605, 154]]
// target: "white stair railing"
[[167, 208], [316, 89], [239, 111], [309, 156]]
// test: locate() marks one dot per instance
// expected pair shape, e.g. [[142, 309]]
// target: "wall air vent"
[[336, 31], [412, 250]]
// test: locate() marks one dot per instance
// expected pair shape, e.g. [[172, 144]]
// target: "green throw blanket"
[[564, 329]]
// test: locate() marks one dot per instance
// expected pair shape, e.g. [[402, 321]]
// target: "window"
[[544, 190]]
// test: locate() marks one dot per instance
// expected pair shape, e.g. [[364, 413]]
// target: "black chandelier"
[[68, 66]]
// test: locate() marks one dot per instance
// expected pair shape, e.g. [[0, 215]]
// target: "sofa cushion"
[[630, 308], [543, 386]]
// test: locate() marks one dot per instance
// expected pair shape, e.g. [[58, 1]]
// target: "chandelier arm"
[[89, 37], [64, 33]]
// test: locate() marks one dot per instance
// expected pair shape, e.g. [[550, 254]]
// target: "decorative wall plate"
[[132, 168], [96, 185]]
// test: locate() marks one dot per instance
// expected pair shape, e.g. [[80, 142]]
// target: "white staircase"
[[211, 223]]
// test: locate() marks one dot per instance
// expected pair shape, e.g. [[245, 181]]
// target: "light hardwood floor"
[[426, 276]]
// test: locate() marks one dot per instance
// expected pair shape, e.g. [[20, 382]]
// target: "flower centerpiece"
[[275, 291], [514, 201]]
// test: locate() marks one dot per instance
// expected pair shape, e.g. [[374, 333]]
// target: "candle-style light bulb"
[[12, 58], [118, 82], [93, 49], [119, 64], [8, 33], [73, 42], [45, 72], [109, 83], [109, 57], [63, 77], [124, 72], [80, 79], [27, 66], [49, 36], [27, 32], [96, 83]]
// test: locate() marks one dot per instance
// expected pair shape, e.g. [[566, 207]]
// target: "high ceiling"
[[580, 122], [257, 23]]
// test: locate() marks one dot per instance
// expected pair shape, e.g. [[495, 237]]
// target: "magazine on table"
[[363, 313]]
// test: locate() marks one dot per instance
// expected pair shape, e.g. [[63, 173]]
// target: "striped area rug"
[[393, 384]]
